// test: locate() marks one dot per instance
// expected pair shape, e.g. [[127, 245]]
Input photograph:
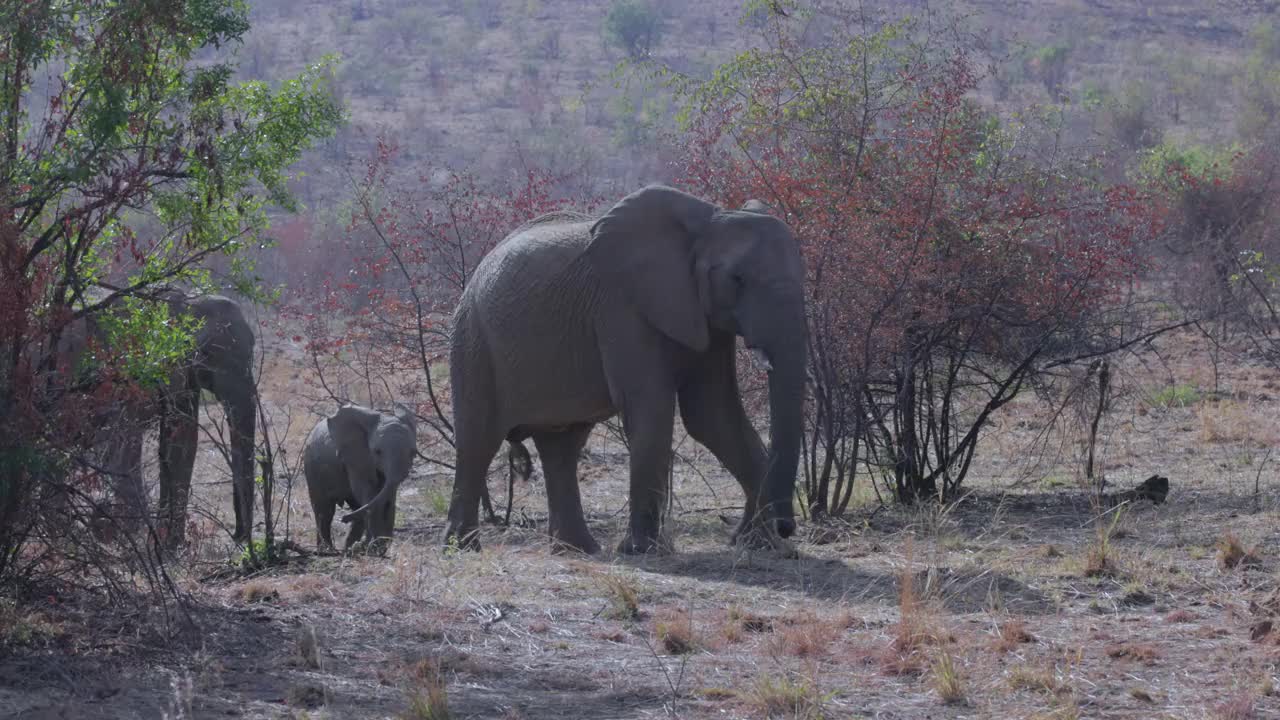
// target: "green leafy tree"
[[1259, 85], [1049, 63], [635, 26], [126, 165]]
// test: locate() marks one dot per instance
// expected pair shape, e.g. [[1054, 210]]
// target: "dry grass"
[[1240, 707], [21, 628], [1144, 653], [426, 694], [622, 598], [748, 621], [946, 678], [1100, 559], [1010, 634], [306, 647], [307, 695], [258, 591], [1230, 421], [1050, 680], [784, 697], [1231, 553], [1002, 623], [916, 629], [674, 631], [805, 637]]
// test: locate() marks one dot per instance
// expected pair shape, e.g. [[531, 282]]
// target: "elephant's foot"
[[461, 538], [641, 544], [564, 543], [761, 536], [172, 537], [378, 547]]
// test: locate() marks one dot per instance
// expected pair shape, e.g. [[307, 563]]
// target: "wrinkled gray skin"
[[222, 363], [358, 458], [568, 322]]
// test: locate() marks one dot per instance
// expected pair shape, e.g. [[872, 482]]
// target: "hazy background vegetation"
[[492, 84]]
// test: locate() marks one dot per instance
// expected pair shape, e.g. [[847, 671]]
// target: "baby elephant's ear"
[[757, 206], [406, 416], [350, 428]]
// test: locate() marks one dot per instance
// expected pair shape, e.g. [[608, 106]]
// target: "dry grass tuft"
[[715, 693], [613, 635], [257, 591], [1138, 652], [621, 596], [946, 679], [1231, 553], [674, 630], [1045, 681], [428, 699], [1240, 707], [915, 629], [1229, 421], [749, 621], [1011, 634], [20, 629], [306, 695], [1099, 559], [807, 637], [310, 588], [306, 648], [782, 697], [1181, 616], [1141, 695]]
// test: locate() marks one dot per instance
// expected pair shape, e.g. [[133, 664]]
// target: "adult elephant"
[[221, 362], [569, 321]]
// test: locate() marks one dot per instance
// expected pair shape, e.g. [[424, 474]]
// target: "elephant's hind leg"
[[566, 524], [475, 450]]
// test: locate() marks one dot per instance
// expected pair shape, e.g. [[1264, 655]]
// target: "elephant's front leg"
[[179, 435], [648, 432], [712, 411]]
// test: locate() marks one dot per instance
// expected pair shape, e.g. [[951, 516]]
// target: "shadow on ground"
[[959, 591]]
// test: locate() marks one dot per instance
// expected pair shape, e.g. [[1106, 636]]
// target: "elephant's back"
[[528, 318], [320, 448], [534, 249], [539, 266]]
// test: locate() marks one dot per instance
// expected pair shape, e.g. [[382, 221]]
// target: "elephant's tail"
[[518, 460]]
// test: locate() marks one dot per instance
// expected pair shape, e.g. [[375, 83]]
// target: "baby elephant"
[[359, 457]]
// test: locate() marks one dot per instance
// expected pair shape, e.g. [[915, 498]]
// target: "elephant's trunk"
[[391, 475], [388, 491], [786, 406]]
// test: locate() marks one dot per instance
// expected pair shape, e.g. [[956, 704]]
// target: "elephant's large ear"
[[757, 206], [644, 245], [406, 416], [350, 428]]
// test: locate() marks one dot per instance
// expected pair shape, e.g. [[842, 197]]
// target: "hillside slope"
[[494, 83]]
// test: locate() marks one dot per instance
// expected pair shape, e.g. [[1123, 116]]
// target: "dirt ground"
[[1022, 600]]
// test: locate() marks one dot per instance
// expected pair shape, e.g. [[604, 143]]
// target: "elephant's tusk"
[[760, 360]]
